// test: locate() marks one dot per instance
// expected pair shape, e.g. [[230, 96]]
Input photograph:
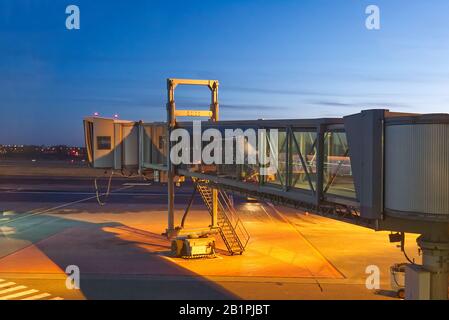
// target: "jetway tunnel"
[[378, 169]]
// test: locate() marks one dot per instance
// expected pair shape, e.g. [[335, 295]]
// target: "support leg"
[[435, 260], [214, 223], [171, 204]]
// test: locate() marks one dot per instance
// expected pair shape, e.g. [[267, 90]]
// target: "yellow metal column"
[[214, 108], [171, 122], [214, 208]]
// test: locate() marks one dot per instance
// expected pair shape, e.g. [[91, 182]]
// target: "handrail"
[[238, 223], [232, 209], [228, 215]]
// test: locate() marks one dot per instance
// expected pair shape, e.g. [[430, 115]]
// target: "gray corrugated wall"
[[417, 168]]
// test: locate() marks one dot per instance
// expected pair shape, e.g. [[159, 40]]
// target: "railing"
[[231, 228], [242, 233]]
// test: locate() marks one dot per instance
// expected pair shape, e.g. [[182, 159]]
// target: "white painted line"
[[8, 284], [266, 212], [60, 207], [12, 289], [6, 231], [33, 213], [18, 295], [38, 296]]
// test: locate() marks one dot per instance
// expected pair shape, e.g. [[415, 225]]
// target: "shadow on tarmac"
[[111, 266]]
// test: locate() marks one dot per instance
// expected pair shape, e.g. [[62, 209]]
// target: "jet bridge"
[[378, 169]]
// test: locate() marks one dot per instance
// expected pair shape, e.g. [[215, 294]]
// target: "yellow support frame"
[[172, 115]]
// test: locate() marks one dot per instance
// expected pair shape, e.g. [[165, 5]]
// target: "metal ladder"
[[232, 231]]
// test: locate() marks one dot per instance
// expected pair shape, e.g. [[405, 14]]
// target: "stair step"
[[225, 219]]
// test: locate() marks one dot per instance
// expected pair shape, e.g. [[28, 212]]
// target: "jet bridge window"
[[161, 142], [104, 143]]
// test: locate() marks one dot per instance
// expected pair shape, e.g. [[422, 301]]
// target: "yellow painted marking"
[[193, 113], [19, 294], [7, 284], [38, 296], [12, 289]]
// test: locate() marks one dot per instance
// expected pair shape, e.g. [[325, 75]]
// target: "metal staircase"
[[232, 231]]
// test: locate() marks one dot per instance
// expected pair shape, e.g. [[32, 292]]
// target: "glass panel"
[[250, 172], [277, 174], [244, 172], [194, 166], [337, 166], [210, 169], [104, 142], [229, 171], [303, 160]]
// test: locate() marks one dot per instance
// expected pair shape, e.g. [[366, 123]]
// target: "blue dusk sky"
[[274, 59]]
